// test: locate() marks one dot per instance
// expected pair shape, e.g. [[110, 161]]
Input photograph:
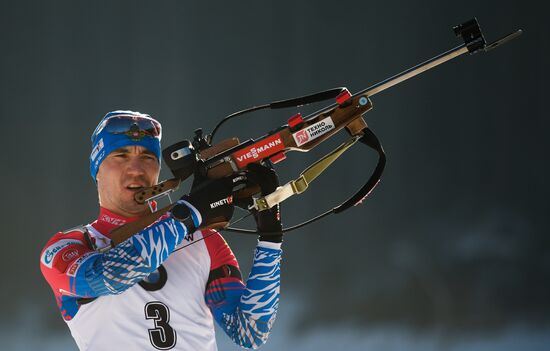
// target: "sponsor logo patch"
[[226, 201], [257, 151], [74, 267], [52, 250], [70, 255], [190, 237], [101, 156], [115, 221], [313, 131], [301, 137], [97, 149]]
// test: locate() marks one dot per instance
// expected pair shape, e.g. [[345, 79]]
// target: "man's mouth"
[[134, 187]]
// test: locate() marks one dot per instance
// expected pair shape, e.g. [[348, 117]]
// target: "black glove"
[[269, 221], [213, 199]]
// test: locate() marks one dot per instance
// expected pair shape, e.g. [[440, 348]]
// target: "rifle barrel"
[[413, 71]]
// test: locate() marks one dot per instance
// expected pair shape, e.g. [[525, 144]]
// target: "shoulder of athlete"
[[212, 235], [214, 240], [64, 248], [219, 251]]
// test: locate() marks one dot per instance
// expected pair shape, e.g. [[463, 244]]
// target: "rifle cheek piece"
[[181, 158]]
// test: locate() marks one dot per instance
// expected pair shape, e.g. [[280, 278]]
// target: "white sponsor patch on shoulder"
[[313, 131], [53, 249]]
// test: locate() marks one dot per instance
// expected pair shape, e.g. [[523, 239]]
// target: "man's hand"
[[268, 221], [212, 198]]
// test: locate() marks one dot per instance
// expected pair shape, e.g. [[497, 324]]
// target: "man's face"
[[123, 173]]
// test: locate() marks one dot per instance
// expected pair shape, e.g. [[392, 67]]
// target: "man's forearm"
[[119, 268], [247, 314]]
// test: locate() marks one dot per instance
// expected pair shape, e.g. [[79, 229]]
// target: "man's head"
[[125, 157]]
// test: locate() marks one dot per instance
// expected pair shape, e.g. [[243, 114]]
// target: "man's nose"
[[135, 167]]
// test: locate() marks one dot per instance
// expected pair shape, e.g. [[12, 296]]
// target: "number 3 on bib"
[[162, 336]]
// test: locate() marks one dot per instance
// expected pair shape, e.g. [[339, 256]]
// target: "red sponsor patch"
[[74, 266], [301, 137], [259, 150], [70, 255], [72, 269], [66, 256]]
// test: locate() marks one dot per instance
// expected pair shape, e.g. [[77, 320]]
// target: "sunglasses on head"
[[135, 127]]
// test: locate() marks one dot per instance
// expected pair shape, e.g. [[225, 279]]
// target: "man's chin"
[[136, 210]]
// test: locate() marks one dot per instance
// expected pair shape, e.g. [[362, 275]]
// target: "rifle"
[[230, 156]]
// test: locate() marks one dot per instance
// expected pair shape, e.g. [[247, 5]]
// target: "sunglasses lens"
[[132, 126], [149, 126]]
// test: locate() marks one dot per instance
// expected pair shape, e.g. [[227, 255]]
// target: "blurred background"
[[450, 252]]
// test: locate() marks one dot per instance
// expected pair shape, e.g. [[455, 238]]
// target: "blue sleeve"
[[246, 314], [119, 268]]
